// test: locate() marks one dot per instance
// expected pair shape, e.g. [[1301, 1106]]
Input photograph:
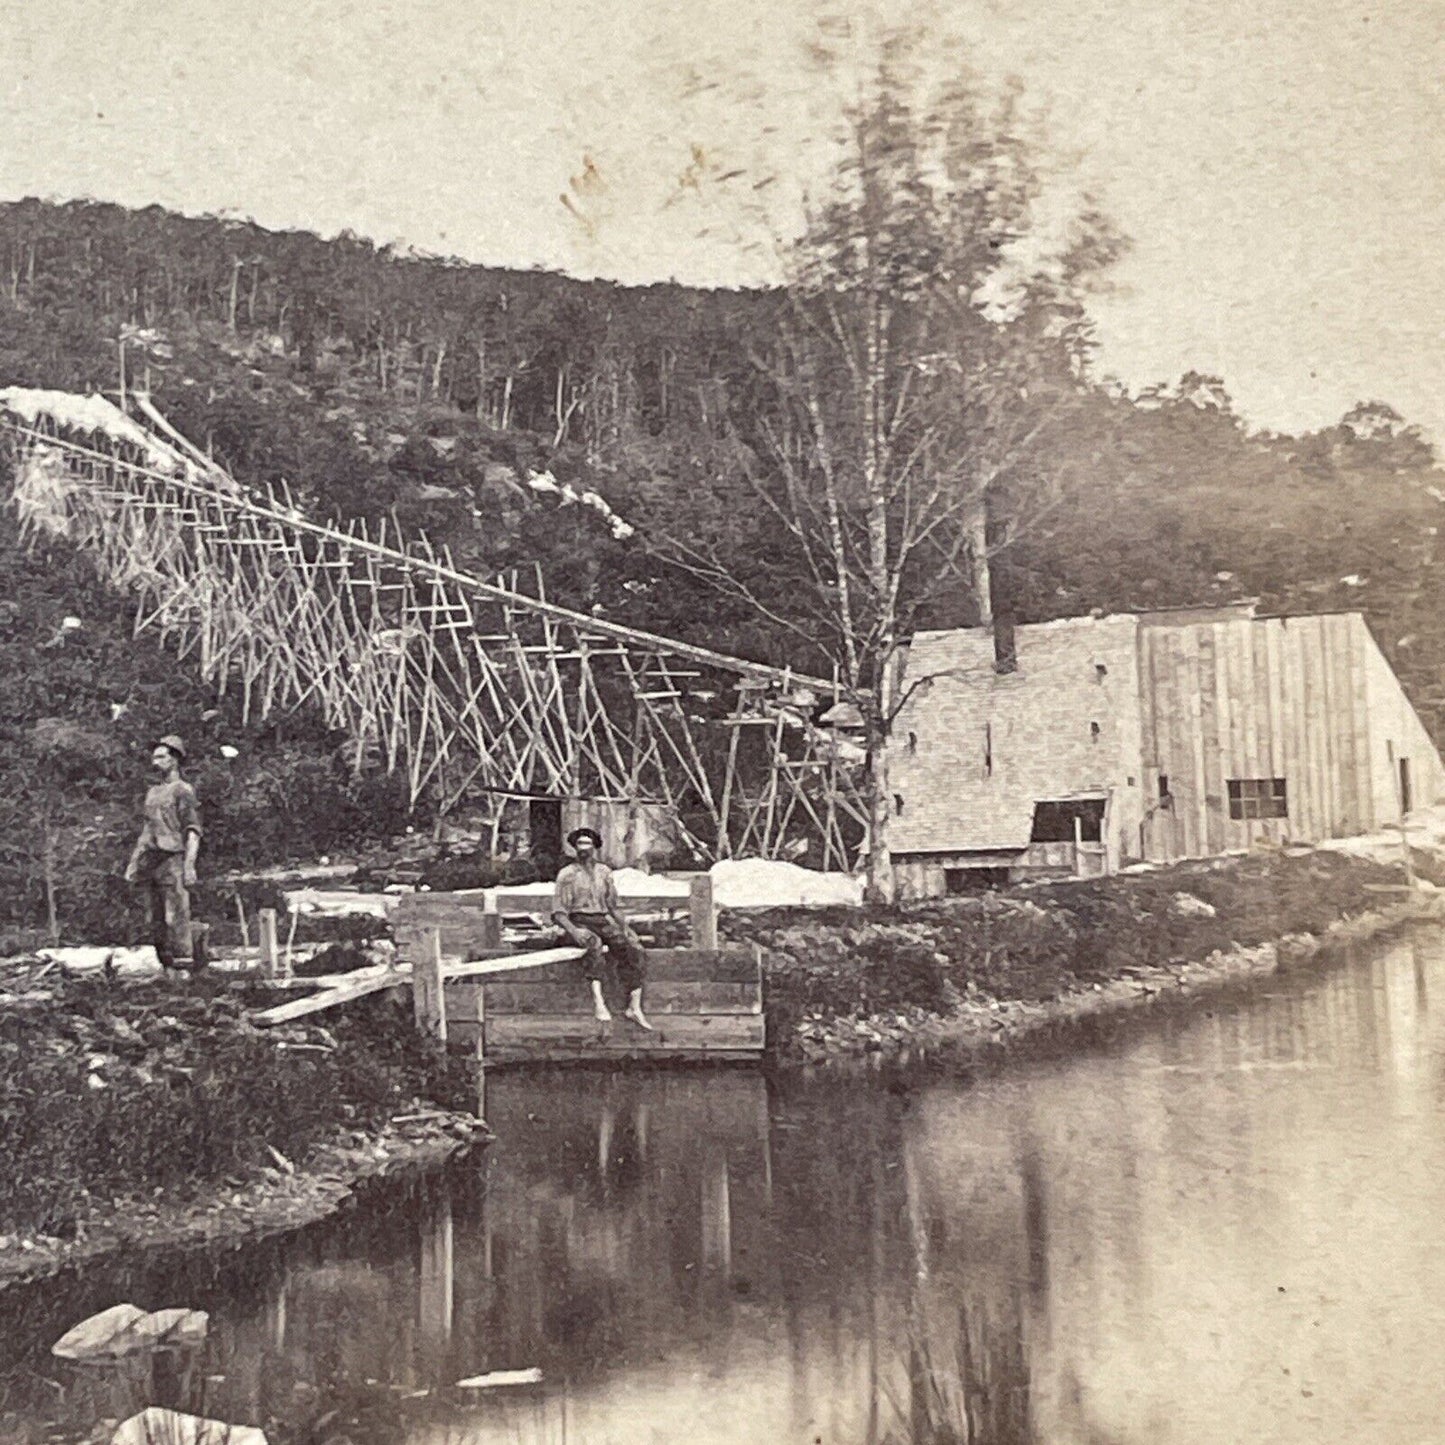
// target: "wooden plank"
[[1364, 786], [303, 1007], [427, 995], [1329, 729], [1271, 666], [545, 963], [672, 965], [1214, 797], [1291, 732], [550, 1053], [1312, 730], [735, 1031], [504, 999], [540, 904], [1246, 713]]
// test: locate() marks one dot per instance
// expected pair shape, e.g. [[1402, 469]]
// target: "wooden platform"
[[702, 1003], [705, 1003]]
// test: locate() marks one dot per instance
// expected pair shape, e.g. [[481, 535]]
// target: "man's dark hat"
[[174, 743], [577, 833]]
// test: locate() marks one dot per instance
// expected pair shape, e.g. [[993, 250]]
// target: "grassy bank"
[[121, 1104], [155, 1113], [844, 980]]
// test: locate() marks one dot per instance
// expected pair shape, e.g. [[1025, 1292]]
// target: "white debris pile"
[[498, 1378], [763, 883], [1425, 829], [82, 414], [82, 959], [158, 1426], [337, 903], [546, 482]]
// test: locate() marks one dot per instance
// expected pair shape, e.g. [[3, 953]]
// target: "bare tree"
[[931, 338]]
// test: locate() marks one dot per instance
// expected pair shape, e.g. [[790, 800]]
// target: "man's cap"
[[174, 743], [579, 833]]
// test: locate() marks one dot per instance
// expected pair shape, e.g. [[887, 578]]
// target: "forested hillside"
[[461, 398]]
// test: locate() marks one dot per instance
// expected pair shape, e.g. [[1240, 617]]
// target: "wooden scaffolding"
[[470, 688]]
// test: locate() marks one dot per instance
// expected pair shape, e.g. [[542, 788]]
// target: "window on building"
[[1054, 821], [912, 742], [1407, 793], [1163, 786], [988, 750], [1251, 798], [898, 803]]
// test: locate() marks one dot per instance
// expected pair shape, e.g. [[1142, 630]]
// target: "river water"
[[1222, 1224]]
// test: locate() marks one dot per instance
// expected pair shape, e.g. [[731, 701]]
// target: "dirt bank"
[[982, 973], [138, 1116]]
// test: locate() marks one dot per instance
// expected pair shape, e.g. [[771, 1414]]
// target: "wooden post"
[[491, 931], [285, 964], [703, 912], [241, 918], [428, 998], [266, 937], [481, 1051]]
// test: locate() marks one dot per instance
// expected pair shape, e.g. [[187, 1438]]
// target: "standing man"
[[586, 908], [163, 860]]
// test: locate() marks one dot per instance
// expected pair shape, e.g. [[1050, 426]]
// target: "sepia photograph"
[[722, 723]]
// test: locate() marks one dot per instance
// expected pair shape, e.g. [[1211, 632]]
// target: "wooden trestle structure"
[[470, 688]]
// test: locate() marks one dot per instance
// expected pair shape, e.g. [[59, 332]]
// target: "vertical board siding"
[[1312, 700], [1366, 817], [1210, 755], [1308, 699]]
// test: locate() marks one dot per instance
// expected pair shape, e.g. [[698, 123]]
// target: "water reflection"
[[1222, 1225]]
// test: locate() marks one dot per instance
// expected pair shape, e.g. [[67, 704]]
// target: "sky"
[[1278, 164]]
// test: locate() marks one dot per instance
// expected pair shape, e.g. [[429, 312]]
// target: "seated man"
[[586, 908]]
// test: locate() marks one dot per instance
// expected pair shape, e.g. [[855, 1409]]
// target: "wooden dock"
[[705, 1002]]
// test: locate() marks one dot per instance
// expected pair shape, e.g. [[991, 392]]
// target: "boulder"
[[126, 1330]]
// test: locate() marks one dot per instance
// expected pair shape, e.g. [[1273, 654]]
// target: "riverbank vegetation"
[[123, 1095], [844, 980]]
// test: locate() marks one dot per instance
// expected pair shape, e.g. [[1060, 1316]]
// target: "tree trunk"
[[52, 915], [879, 883]]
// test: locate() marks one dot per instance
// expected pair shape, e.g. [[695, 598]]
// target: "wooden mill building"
[[1083, 745]]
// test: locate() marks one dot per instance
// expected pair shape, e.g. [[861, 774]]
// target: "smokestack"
[[1005, 654]]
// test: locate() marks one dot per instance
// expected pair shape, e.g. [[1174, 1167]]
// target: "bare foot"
[[602, 1013], [634, 1012]]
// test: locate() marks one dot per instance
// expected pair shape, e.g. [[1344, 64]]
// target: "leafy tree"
[[930, 339]]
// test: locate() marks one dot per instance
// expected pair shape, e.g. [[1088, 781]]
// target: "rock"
[[94, 1337], [1186, 905], [125, 1330], [155, 1424]]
